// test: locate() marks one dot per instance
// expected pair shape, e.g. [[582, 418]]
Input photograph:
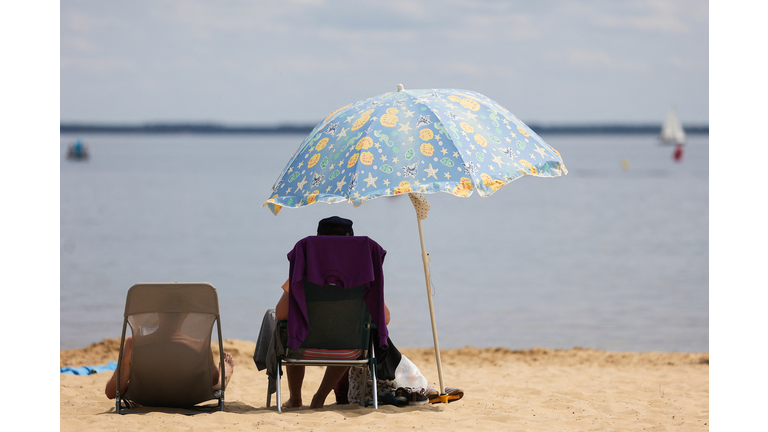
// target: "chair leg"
[[375, 389], [269, 397], [364, 392], [278, 399]]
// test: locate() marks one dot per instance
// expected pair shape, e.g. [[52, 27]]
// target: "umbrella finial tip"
[[400, 87]]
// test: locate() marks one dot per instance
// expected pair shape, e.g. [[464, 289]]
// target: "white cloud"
[[596, 59], [339, 38], [668, 16], [97, 65], [688, 62]]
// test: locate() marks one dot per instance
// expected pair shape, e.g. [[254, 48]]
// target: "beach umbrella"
[[413, 142]]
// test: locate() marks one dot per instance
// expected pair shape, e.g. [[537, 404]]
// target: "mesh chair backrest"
[[338, 317], [172, 297], [171, 326]]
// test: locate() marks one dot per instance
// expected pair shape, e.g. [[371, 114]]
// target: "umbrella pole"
[[431, 310]]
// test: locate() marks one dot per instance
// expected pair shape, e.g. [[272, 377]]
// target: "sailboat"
[[672, 133], [671, 130]]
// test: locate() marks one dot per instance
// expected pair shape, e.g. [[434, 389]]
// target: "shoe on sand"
[[413, 397], [390, 398]]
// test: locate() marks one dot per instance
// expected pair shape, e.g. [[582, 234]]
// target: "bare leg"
[[125, 371], [295, 380], [229, 368], [331, 377]]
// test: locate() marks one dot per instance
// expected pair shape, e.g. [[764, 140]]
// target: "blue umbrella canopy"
[[426, 141]]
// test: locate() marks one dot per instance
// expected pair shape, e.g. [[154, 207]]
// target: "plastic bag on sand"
[[408, 375]]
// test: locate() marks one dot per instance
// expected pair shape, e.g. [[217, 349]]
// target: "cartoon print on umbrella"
[[427, 141]]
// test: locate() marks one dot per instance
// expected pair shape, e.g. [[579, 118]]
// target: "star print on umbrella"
[[428, 141]]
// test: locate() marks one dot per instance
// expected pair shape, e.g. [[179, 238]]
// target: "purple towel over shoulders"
[[344, 261]]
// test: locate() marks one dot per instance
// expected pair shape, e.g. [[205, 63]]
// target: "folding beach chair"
[[338, 317], [172, 359], [338, 320]]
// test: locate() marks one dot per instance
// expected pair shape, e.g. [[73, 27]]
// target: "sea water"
[[612, 256]]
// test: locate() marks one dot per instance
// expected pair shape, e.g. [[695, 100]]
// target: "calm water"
[[602, 258]]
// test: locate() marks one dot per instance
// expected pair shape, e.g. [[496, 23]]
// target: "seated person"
[[295, 374], [169, 330]]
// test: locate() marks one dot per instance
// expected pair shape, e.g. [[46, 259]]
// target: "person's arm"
[[386, 314], [281, 310], [125, 371]]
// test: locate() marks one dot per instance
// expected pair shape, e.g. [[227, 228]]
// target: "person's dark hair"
[[335, 225]]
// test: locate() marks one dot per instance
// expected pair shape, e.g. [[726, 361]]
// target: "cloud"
[[97, 65], [339, 38], [667, 16], [688, 62], [595, 59]]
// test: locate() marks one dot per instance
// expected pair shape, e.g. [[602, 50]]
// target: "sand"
[[531, 390]]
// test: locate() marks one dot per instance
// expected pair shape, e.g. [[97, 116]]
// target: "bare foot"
[[317, 402], [292, 404], [229, 367]]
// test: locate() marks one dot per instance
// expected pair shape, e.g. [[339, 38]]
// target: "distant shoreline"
[[217, 129]]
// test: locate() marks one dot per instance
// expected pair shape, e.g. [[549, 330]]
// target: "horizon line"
[[295, 128]]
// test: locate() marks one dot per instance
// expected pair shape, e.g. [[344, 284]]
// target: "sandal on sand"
[[431, 393], [413, 397], [451, 394], [454, 393]]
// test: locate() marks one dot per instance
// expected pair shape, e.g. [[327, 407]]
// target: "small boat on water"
[[77, 151], [672, 132]]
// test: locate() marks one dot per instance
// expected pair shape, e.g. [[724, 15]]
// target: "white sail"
[[672, 131]]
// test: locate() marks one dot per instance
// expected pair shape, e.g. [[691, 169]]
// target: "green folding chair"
[[338, 320]]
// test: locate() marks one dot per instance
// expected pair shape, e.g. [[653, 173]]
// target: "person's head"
[[335, 226]]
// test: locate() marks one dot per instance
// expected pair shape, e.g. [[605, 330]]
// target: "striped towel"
[[321, 354]]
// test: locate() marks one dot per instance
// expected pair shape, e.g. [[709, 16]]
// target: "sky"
[[294, 62]]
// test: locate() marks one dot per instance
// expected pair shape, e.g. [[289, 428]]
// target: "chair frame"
[[219, 394], [368, 362]]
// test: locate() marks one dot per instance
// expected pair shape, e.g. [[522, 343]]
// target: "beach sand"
[[530, 390]]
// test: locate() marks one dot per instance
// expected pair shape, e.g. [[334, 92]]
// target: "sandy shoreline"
[[537, 390]]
